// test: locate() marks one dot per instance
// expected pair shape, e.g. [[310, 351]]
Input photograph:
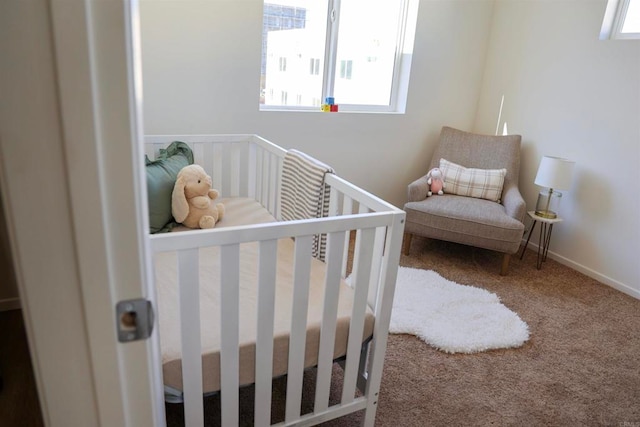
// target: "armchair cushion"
[[472, 182], [466, 220]]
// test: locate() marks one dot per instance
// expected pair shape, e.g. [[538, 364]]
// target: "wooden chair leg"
[[505, 264], [406, 244]]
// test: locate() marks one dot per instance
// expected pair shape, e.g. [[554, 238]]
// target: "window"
[[356, 51], [621, 20]]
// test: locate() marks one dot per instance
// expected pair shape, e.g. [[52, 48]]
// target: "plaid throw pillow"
[[479, 183]]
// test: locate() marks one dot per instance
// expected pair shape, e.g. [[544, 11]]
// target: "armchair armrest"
[[418, 189], [513, 203]]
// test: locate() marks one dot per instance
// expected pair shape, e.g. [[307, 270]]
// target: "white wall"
[[201, 65], [572, 95]]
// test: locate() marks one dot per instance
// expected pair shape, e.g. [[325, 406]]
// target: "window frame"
[[613, 22], [399, 77]]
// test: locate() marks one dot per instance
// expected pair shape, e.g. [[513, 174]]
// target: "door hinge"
[[134, 320]]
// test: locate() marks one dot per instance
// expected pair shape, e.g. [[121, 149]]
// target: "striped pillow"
[[479, 183]]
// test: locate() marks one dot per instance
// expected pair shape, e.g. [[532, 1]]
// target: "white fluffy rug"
[[451, 317]]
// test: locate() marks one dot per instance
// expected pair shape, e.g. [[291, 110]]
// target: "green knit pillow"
[[161, 177]]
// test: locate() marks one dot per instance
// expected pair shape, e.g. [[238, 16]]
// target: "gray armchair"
[[468, 220]]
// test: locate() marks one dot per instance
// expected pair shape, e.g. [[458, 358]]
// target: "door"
[[70, 146]]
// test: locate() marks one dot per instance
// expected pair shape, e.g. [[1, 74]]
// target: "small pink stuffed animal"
[[435, 181]]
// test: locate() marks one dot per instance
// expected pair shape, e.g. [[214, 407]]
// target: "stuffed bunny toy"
[[435, 180], [192, 199]]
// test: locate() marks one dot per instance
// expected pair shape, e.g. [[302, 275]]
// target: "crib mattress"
[[243, 211]]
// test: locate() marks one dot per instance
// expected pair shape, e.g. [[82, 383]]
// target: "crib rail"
[[358, 222]]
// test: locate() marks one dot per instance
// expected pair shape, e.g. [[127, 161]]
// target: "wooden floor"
[[19, 404]]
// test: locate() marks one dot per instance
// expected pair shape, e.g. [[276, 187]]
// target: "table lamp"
[[555, 174]]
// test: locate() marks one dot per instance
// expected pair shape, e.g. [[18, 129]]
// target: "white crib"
[[248, 166]]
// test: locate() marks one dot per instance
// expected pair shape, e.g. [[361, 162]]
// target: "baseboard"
[[591, 273], [9, 304]]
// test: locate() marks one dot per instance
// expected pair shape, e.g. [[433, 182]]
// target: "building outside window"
[[283, 63], [314, 66], [345, 69]]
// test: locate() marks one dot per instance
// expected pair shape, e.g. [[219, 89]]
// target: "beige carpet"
[[581, 365]]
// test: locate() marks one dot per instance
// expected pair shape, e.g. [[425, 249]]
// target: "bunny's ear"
[[179, 205]]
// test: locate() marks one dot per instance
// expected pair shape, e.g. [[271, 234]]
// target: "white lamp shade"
[[555, 172]]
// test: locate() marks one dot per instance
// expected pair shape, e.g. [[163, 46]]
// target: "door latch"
[[134, 320]]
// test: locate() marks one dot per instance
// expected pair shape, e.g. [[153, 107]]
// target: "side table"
[[546, 227]]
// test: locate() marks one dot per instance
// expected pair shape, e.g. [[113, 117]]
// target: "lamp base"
[[548, 202], [547, 214]]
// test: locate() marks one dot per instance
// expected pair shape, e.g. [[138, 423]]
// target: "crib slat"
[[243, 170], [229, 340], [297, 341], [362, 268], [252, 167], [387, 282], [333, 202], [225, 156], [272, 183], [264, 328], [209, 163], [199, 156], [233, 170], [378, 249], [335, 246], [188, 280], [278, 186], [347, 205], [265, 179], [258, 175], [231, 167], [347, 209]]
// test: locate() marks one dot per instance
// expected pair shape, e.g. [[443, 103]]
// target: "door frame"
[[74, 192]]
